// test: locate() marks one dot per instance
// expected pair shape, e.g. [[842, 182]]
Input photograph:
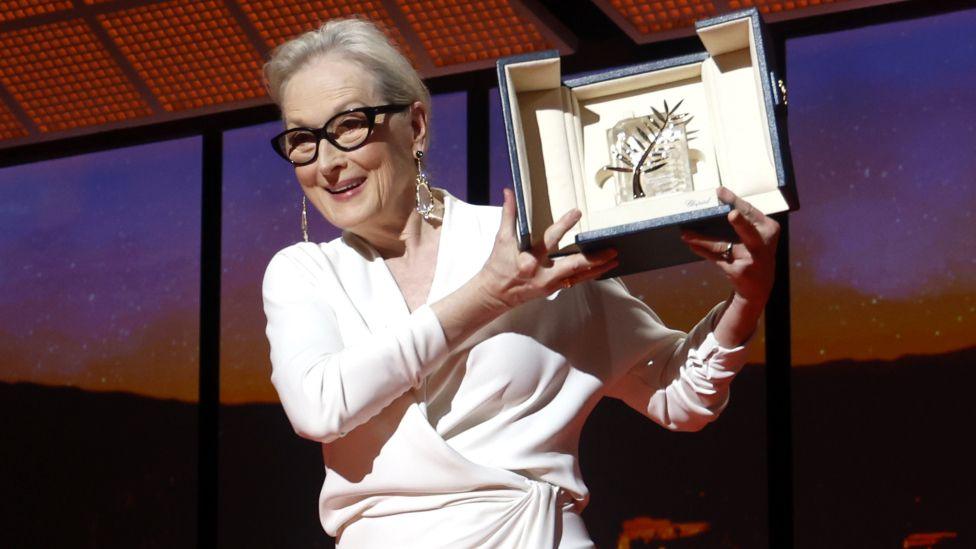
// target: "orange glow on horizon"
[[648, 529]]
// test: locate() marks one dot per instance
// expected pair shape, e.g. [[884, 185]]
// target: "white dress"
[[428, 446]]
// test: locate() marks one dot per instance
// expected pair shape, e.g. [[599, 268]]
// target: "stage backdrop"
[[99, 312]]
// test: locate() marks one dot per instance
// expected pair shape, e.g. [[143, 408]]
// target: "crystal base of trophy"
[[652, 154]]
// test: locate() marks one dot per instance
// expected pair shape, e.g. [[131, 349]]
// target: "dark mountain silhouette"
[[881, 451], [83, 469]]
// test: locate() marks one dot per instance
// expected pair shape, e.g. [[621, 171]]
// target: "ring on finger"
[[727, 253]]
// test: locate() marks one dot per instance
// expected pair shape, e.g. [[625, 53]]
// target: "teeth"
[[347, 187]]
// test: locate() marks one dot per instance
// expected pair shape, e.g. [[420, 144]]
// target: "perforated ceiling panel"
[[19, 9], [654, 20], [62, 78], [75, 67], [660, 15], [9, 126], [778, 6], [190, 53], [455, 31], [278, 21]]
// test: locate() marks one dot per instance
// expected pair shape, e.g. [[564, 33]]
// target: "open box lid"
[[536, 103]]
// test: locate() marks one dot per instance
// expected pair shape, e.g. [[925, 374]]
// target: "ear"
[[418, 123]]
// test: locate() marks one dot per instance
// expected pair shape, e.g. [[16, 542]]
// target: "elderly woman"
[[446, 373]]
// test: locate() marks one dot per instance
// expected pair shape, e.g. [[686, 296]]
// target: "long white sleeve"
[[682, 381], [326, 387]]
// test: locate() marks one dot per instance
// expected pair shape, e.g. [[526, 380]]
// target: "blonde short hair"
[[351, 39]]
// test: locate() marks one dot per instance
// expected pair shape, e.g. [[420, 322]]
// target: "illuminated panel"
[[63, 78], [191, 54], [18, 9], [662, 15], [454, 31], [9, 126], [775, 6], [278, 21]]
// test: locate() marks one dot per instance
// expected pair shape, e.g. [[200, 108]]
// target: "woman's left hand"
[[750, 264]]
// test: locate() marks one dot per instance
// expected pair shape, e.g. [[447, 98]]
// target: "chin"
[[351, 215]]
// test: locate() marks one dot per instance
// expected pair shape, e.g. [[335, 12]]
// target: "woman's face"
[[370, 189]]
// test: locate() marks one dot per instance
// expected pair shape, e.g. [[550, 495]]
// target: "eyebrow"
[[343, 107]]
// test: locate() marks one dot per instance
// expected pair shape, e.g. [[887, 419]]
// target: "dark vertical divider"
[[779, 425], [478, 156], [208, 425]]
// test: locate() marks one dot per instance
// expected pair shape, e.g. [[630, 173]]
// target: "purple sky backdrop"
[[883, 124], [101, 270], [883, 131]]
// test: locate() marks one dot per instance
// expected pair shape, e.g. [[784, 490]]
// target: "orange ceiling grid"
[[648, 21], [457, 32], [70, 68], [62, 78], [190, 53]]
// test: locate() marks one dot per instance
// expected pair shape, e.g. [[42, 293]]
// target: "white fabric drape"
[[476, 445]]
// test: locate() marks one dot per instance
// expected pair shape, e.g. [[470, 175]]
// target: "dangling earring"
[[425, 199], [304, 220]]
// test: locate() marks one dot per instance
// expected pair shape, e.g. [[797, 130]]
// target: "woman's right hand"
[[511, 277]]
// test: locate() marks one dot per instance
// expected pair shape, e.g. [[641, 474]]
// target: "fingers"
[[557, 230], [747, 232], [751, 213], [578, 267], [590, 274], [552, 235], [709, 253], [755, 228], [706, 243], [507, 227]]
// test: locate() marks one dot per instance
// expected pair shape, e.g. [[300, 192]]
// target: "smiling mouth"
[[348, 187]]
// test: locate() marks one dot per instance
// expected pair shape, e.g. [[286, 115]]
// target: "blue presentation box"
[[560, 135]]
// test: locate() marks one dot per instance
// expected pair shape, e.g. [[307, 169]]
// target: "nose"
[[330, 161]]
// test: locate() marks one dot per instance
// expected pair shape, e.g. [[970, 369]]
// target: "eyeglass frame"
[[320, 133]]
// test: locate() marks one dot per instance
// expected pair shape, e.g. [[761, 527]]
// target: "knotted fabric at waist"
[[503, 517]]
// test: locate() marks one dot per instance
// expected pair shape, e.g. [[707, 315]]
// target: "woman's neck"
[[404, 240], [407, 235]]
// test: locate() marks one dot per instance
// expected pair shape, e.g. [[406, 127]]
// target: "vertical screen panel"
[[883, 282], [99, 323], [269, 478], [261, 457]]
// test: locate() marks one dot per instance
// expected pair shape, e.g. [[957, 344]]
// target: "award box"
[[559, 135]]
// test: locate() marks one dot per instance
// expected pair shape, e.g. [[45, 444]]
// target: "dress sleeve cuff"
[[720, 358], [428, 337]]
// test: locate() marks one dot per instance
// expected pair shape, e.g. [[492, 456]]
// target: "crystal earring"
[[425, 199], [304, 220]]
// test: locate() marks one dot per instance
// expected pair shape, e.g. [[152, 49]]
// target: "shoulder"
[[490, 214], [478, 221], [303, 263]]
